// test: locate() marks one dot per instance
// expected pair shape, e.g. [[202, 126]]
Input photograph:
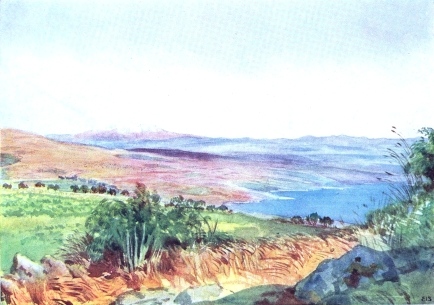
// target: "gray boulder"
[[358, 269], [27, 270], [54, 268], [198, 294], [157, 297]]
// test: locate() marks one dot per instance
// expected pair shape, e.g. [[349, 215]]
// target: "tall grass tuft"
[[74, 251], [404, 219], [405, 190]]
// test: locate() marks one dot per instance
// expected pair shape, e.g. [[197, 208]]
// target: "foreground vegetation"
[[107, 243], [37, 221], [408, 218]]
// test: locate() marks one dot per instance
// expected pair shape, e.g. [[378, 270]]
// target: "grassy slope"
[[35, 222], [246, 227]]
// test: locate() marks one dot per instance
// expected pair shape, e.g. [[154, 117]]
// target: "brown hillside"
[[44, 159]]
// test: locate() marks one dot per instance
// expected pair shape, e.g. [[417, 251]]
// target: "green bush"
[[133, 230]]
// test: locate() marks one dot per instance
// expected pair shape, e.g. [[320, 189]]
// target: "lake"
[[349, 204]]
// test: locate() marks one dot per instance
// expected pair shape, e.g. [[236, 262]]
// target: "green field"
[[241, 226], [36, 222]]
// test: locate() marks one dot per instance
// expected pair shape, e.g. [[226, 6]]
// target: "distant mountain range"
[[161, 139], [115, 135], [344, 152]]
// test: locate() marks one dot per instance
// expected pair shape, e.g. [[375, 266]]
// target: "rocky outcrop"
[[360, 268], [26, 270], [52, 282], [54, 268]]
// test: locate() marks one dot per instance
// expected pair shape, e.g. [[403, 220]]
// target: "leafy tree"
[[84, 189], [313, 219], [326, 221]]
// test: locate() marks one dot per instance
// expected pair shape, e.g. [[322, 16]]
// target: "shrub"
[[134, 230]]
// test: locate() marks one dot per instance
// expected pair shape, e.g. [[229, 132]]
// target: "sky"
[[261, 69]]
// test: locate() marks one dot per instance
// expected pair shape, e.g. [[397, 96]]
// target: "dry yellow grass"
[[234, 266]]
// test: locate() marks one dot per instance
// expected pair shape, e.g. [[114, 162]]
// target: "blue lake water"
[[349, 204]]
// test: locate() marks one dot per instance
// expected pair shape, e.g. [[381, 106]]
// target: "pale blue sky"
[[218, 68]]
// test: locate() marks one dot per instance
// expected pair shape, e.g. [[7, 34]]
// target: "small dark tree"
[[74, 188], [84, 189], [22, 185], [223, 208], [101, 189], [326, 221], [54, 187], [313, 219], [177, 201], [298, 220], [211, 208], [112, 192]]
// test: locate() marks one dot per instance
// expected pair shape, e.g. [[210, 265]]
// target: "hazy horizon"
[[153, 131], [174, 134]]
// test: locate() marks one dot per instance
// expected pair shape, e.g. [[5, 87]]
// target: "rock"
[[411, 259], [54, 268], [157, 297], [386, 293], [26, 269], [334, 277], [198, 294], [12, 294]]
